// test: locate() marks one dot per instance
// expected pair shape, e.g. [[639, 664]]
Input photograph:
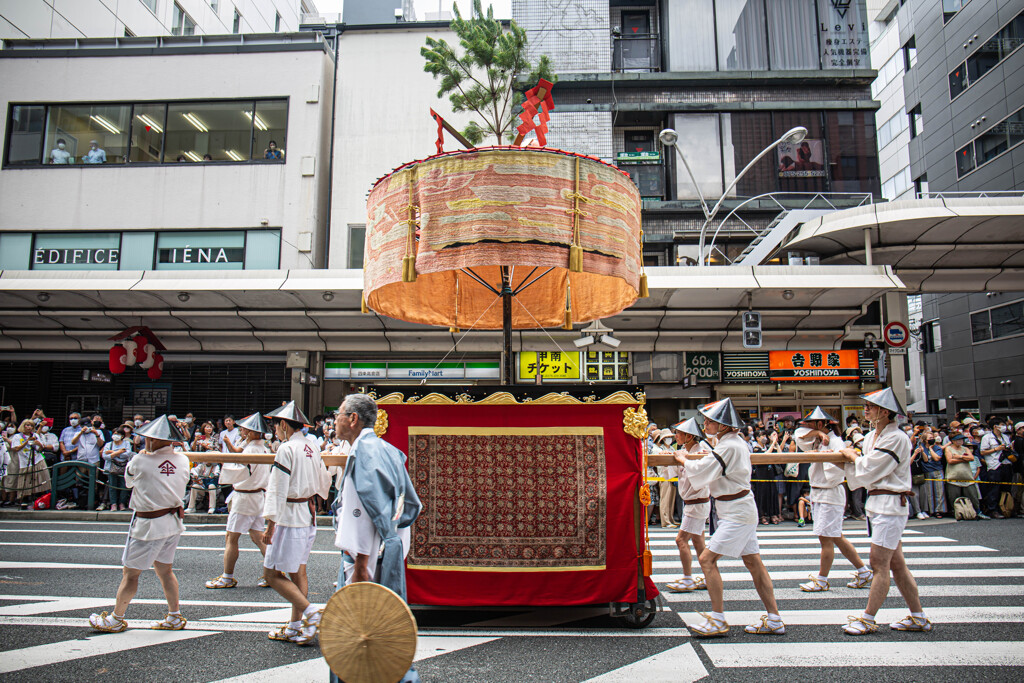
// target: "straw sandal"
[[858, 626], [682, 586], [172, 622], [911, 623], [106, 622], [710, 628], [861, 580], [284, 633], [815, 585], [222, 582], [766, 629], [310, 627]]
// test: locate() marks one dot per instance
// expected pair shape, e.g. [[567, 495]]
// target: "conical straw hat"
[[289, 411], [368, 634], [160, 428]]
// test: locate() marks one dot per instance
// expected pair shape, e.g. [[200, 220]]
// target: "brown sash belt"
[[154, 514], [252, 491], [308, 501], [696, 501], [732, 496], [884, 492]]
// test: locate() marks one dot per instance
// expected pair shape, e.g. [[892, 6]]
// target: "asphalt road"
[[53, 574]]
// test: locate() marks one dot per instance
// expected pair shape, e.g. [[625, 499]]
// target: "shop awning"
[[953, 244], [319, 310]]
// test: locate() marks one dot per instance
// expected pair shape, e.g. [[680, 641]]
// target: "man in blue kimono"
[[376, 505]]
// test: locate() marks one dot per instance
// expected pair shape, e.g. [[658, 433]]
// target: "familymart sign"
[[412, 370]]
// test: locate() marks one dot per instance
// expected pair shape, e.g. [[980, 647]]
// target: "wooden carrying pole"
[[652, 460]]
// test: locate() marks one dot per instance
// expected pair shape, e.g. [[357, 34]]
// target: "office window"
[[151, 4], [792, 35], [208, 131], [804, 168], [128, 33], [957, 80], [236, 22], [181, 22], [1008, 320], [742, 35], [692, 36], [148, 122], [980, 328], [744, 135], [991, 143], [700, 143], [277, 22], [356, 245], [965, 160], [91, 134], [909, 54], [853, 156], [214, 5], [983, 60], [270, 124], [931, 336], [892, 128], [25, 144], [916, 122], [987, 56], [951, 7], [921, 186], [1015, 128], [890, 70]]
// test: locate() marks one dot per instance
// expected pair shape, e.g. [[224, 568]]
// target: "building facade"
[[127, 18]]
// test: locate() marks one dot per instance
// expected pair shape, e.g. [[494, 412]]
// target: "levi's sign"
[[814, 366]]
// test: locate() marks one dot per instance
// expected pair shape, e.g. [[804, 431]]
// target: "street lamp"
[[669, 138]]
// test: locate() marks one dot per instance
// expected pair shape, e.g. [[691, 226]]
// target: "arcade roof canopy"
[[282, 310], [949, 244]]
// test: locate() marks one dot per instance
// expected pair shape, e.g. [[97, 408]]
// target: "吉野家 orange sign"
[[814, 366]]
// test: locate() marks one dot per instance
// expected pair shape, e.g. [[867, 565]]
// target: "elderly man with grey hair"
[[376, 504]]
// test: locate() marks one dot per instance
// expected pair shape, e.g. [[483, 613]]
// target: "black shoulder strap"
[[720, 461], [886, 450], [282, 468]]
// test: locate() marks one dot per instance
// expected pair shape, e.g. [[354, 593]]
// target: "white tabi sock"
[[176, 613], [919, 615], [228, 576], [774, 618], [720, 616], [117, 616], [864, 570], [823, 579], [868, 617], [310, 609], [294, 625], [687, 577]]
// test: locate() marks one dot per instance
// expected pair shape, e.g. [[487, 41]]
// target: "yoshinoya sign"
[[71, 257], [745, 368], [814, 366]]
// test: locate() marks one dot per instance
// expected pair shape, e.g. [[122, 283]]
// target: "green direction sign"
[[634, 157], [706, 366]]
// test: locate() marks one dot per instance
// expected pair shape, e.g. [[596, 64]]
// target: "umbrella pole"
[[506, 325]]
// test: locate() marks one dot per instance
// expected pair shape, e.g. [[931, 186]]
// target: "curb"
[[105, 516]]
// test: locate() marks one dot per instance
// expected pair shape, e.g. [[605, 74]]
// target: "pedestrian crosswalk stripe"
[[841, 592], [90, 646], [865, 651], [821, 617], [678, 664], [989, 573], [56, 565], [812, 563], [786, 532], [50, 606], [814, 540], [815, 551]]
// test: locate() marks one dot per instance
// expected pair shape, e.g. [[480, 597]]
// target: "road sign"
[[897, 350], [896, 334]]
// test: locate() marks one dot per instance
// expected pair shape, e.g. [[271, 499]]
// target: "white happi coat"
[[708, 473], [298, 472], [248, 478], [158, 481], [884, 465], [826, 478]]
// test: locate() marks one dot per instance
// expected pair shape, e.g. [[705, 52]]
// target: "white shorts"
[[694, 524], [733, 539], [289, 548], [243, 524], [142, 554], [828, 519], [886, 530]]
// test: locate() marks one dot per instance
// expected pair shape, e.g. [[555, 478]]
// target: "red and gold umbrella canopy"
[[565, 228]]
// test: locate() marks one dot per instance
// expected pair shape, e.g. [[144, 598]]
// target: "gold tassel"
[[408, 269], [454, 330], [363, 308], [576, 258], [644, 292]]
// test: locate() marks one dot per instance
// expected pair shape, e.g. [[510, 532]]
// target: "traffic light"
[[751, 330]]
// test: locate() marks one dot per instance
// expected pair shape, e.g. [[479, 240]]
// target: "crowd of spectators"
[[965, 468], [29, 449]]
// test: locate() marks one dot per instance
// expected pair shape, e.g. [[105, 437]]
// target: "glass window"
[[951, 7], [699, 143], [853, 155], [151, 4], [983, 60], [909, 54], [1015, 128], [965, 159], [181, 22], [992, 143], [742, 35], [792, 35], [208, 131], [262, 249], [691, 26], [91, 134], [77, 251], [236, 22], [802, 167], [269, 126], [356, 245], [1008, 320], [277, 22], [25, 145], [148, 121], [744, 135], [214, 5], [204, 250], [979, 327], [957, 80], [921, 186], [916, 122]]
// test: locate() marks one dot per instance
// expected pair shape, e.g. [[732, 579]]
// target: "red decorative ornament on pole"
[[137, 345]]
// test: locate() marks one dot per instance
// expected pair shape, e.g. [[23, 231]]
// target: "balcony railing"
[[636, 53]]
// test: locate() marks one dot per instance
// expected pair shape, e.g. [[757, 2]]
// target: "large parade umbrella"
[[503, 238]]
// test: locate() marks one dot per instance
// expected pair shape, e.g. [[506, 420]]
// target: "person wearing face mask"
[[49, 445], [68, 450], [33, 477], [229, 439], [95, 155], [9, 481], [116, 454], [60, 155]]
